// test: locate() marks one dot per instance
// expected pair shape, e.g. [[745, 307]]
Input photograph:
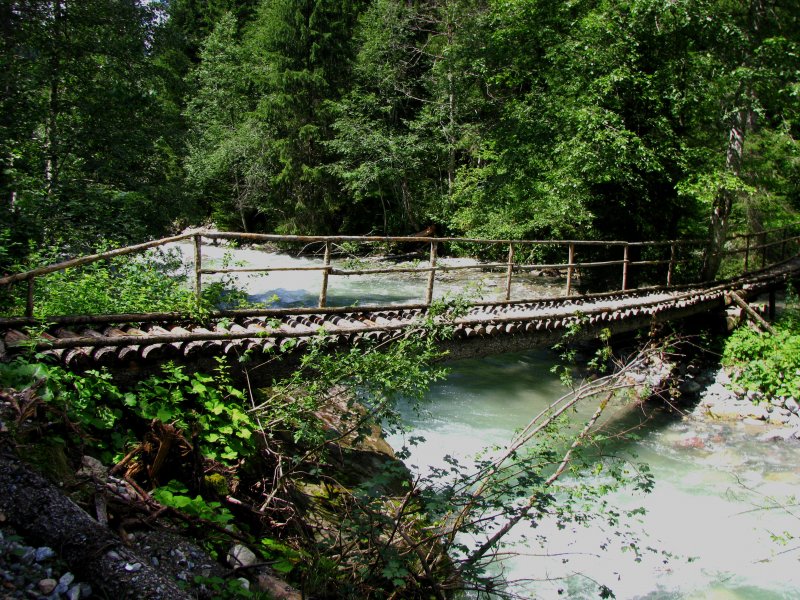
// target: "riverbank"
[[778, 416]]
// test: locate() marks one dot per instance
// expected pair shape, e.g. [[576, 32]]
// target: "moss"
[[49, 457], [217, 484]]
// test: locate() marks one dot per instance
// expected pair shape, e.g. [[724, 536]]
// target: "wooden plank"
[[85, 260]]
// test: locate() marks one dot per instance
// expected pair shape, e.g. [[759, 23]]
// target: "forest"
[[126, 120], [644, 119]]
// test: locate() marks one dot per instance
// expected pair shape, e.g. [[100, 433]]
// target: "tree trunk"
[[51, 165], [723, 202], [36, 508], [744, 122]]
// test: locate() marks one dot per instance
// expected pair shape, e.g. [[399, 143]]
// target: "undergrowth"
[[765, 362]]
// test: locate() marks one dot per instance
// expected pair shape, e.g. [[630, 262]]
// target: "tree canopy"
[[641, 119]]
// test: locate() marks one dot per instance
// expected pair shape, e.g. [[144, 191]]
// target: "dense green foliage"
[[336, 515], [121, 119], [517, 118], [768, 363]]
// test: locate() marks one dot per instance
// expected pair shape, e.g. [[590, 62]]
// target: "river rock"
[[44, 553], [92, 468], [74, 593], [241, 556], [689, 386], [792, 405], [276, 588], [721, 377], [779, 416], [783, 434], [758, 411], [46, 586]]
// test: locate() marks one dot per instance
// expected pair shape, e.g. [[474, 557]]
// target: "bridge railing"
[[660, 263], [753, 251]]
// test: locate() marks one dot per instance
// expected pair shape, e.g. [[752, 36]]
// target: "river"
[[713, 479]]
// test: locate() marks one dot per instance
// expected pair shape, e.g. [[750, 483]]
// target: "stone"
[[66, 579], [74, 593], [758, 411], [133, 567], [776, 419], [689, 386], [93, 469], [86, 590], [718, 390], [791, 405], [46, 586], [244, 582], [725, 411], [784, 434], [43, 553], [277, 588], [241, 556]]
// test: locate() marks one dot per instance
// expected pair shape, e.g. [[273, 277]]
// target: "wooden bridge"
[[658, 282]]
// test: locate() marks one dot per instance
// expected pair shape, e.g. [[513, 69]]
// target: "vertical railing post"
[[746, 252], [29, 299], [510, 271], [323, 292], [431, 274], [671, 267], [625, 262], [764, 250], [198, 266], [570, 268]]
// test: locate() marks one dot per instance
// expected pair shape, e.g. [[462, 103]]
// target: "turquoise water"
[[710, 480], [713, 480]]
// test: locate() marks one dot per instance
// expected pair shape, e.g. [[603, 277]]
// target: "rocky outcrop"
[[719, 401]]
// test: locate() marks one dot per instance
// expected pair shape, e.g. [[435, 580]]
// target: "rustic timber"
[[83, 341], [535, 321], [754, 316]]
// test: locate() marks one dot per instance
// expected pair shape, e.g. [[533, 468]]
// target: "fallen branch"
[[39, 510]]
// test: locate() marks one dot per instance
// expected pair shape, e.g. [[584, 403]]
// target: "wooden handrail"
[[85, 260], [573, 267]]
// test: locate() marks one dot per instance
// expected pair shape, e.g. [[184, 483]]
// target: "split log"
[[754, 316], [35, 507]]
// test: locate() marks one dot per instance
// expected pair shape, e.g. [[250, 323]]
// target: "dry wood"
[[38, 509], [85, 260], [754, 316]]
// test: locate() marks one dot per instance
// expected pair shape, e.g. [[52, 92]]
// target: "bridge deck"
[[114, 341]]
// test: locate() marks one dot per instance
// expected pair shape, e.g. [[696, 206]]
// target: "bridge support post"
[[671, 267], [432, 274], [323, 291], [746, 253], [510, 271], [570, 268], [625, 262], [198, 266]]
